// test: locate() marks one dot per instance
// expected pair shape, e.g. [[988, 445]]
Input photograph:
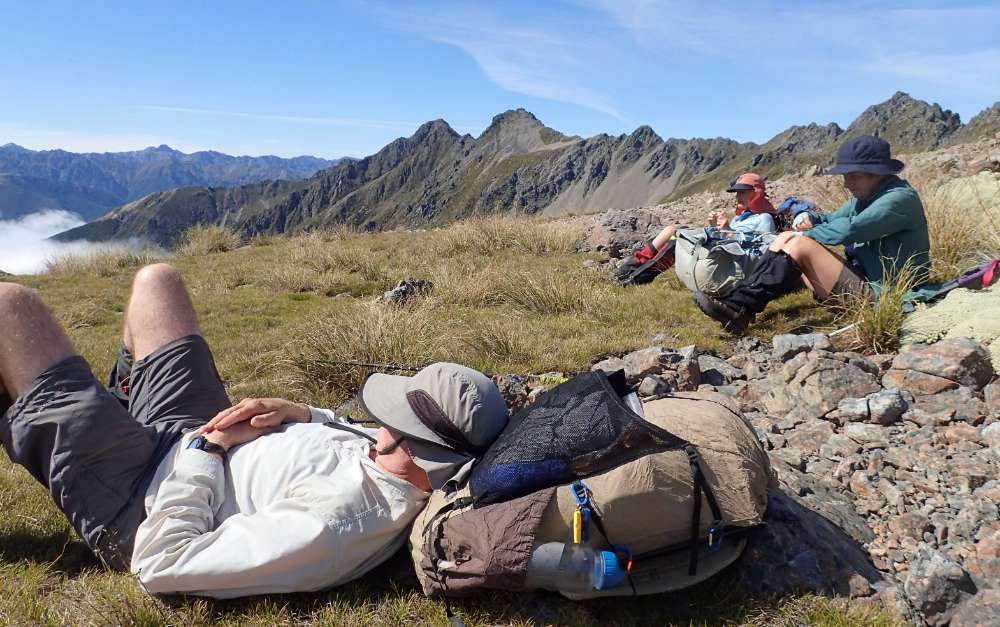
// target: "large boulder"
[[812, 384], [798, 550], [616, 231], [965, 361]]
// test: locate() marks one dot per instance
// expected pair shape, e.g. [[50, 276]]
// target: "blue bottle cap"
[[609, 573]]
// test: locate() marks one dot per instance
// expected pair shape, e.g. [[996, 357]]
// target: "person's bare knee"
[[32, 341], [781, 241], [159, 310]]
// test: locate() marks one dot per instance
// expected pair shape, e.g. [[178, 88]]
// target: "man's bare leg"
[[32, 341], [159, 310], [821, 268]]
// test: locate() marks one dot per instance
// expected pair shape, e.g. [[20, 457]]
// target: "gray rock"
[[652, 386], [810, 435], [790, 344], [853, 410], [886, 407], [405, 290], [609, 365], [716, 371], [991, 394], [799, 550], [866, 433], [514, 389], [959, 359], [815, 385], [982, 610], [990, 435], [936, 585], [916, 381], [962, 401], [837, 447]]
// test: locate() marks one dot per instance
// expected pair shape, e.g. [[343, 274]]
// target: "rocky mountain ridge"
[[517, 165], [92, 183]]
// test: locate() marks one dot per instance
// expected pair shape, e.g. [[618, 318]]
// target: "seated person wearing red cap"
[[882, 228], [753, 213], [263, 497]]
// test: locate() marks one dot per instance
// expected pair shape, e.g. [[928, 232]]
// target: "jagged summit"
[[906, 123]]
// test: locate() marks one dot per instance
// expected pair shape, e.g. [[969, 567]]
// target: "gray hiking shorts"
[[96, 448]]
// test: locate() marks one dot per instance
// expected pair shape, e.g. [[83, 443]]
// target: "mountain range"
[[519, 165], [90, 184]]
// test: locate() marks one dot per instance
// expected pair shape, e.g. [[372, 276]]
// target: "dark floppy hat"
[[448, 413], [865, 154]]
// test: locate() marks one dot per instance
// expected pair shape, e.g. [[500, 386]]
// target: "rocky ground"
[[889, 467]]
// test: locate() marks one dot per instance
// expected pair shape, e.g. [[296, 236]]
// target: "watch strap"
[[202, 443]]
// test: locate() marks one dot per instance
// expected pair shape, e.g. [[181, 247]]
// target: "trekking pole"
[[844, 330], [373, 366]]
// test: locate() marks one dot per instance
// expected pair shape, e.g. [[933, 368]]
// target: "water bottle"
[[573, 568]]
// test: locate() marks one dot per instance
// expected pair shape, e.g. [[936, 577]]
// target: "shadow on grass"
[[62, 552]]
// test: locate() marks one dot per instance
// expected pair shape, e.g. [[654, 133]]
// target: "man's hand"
[[239, 433], [802, 222], [260, 412], [718, 219]]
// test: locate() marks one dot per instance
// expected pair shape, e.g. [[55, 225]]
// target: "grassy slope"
[[509, 297]]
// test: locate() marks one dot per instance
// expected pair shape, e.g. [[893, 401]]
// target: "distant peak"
[[12, 146], [434, 127], [514, 116]]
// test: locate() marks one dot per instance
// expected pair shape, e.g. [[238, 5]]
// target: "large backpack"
[[713, 261], [676, 490]]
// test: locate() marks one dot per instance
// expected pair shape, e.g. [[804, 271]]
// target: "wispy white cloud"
[[290, 119], [79, 141], [530, 60], [859, 36]]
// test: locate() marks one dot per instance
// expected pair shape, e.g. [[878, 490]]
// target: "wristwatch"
[[202, 443]]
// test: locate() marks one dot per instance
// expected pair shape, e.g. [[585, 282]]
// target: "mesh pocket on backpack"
[[575, 430]]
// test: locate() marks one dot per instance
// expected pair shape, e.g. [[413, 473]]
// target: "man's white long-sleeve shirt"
[[301, 509]]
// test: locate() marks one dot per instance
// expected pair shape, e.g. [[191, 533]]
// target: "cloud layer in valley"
[[25, 249]]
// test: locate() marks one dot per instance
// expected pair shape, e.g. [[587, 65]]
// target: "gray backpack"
[[713, 261]]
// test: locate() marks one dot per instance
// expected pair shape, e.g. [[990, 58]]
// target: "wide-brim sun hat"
[[448, 413], [746, 183], [867, 154]]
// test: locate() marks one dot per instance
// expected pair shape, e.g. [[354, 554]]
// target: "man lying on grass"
[[882, 228], [241, 504]]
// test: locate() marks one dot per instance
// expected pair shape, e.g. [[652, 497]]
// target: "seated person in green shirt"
[[882, 228]]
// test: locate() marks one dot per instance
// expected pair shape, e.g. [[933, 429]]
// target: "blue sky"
[[344, 78]]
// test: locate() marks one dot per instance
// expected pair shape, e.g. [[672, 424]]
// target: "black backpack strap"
[[701, 487]]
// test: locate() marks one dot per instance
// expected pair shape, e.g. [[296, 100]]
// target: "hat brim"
[[740, 187], [893, 166], [383, 398]]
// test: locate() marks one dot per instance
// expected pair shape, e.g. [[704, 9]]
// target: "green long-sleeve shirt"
[[889, 226]]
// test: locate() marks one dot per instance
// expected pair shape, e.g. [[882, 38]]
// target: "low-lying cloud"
[[25, 247]]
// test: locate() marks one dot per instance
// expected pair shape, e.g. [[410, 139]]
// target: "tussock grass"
[[363, 333], [963, 220], [104, 262], [208, 239], [300, 279], [494, 233], [876, 322]]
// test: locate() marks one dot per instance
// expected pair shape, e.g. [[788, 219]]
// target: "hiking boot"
[[733, 320]]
